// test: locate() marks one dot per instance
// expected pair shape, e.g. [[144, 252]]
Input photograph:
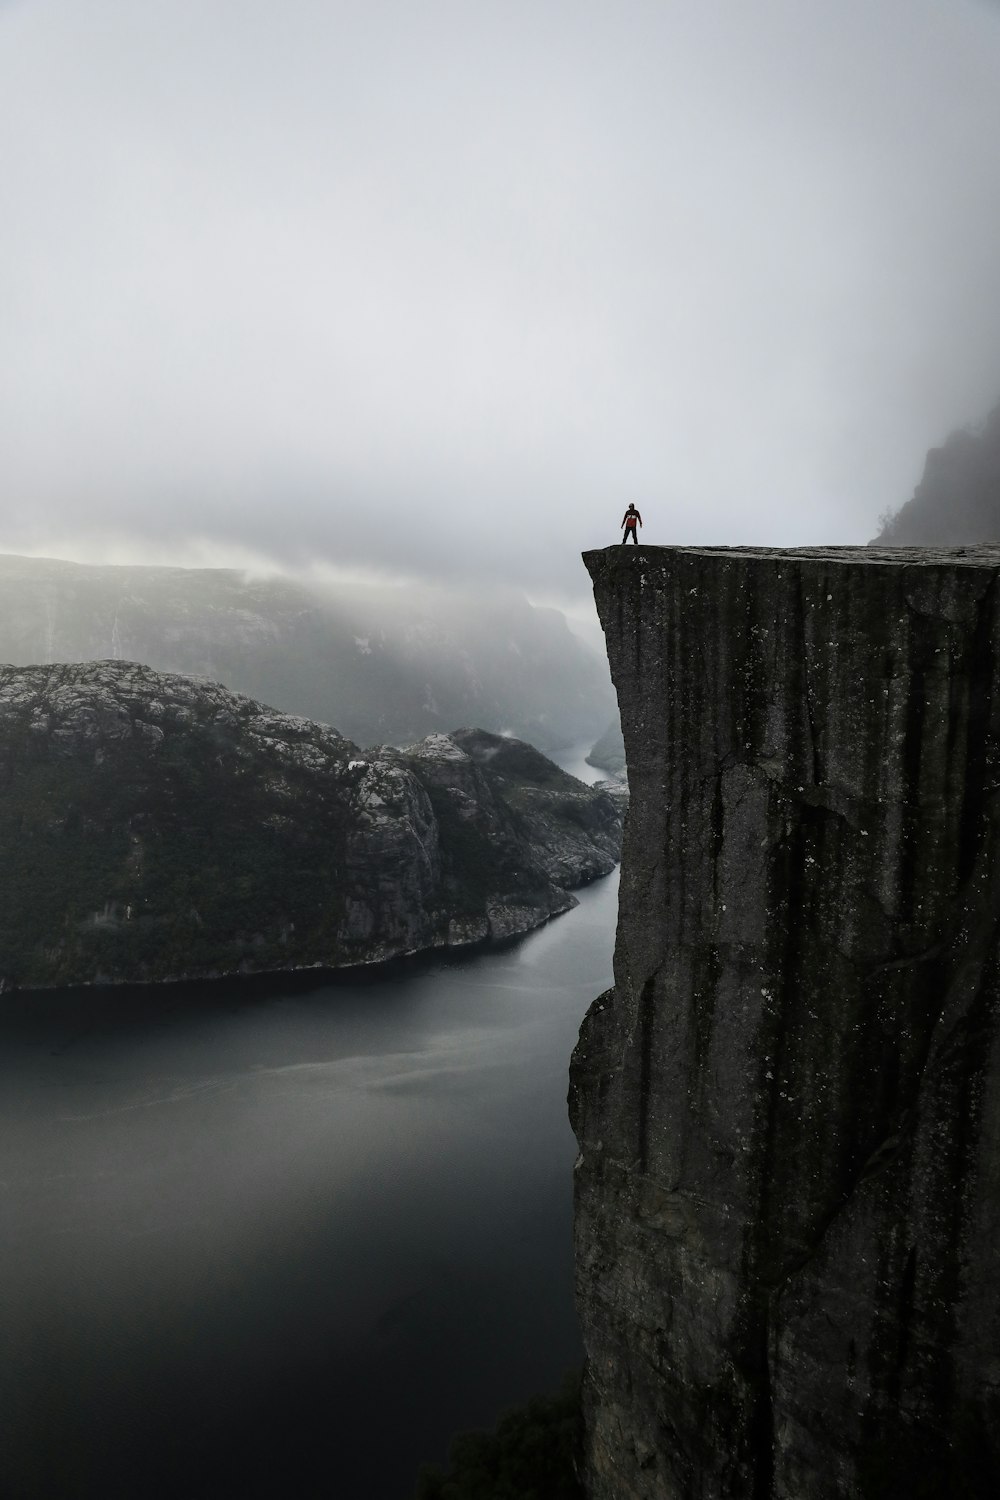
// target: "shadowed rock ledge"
[[788, 1109]]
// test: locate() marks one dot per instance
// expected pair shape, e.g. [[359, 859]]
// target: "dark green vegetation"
[[958, 498], [382, 663], [531, 1455], [160, 827]]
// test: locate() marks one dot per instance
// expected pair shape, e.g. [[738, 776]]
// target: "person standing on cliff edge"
[[629, 519]]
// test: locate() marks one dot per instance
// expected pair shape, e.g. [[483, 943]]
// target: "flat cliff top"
[[982, 556]]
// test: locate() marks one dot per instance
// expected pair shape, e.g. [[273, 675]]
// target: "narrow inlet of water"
[[255, 1234]]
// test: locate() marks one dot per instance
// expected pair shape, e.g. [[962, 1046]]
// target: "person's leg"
[[635, 534], [624, 536]]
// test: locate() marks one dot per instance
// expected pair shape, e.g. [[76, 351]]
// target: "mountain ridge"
[[158, 826], [957, 500], [387, 664]]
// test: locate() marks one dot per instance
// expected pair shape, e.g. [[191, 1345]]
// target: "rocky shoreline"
[[161, 828]]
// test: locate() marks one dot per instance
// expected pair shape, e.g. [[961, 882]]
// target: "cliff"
[[788, 1108], [958, 497], [383, 663], [160, 827]]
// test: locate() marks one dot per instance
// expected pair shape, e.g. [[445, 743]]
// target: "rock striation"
[[156, 827], [788, 1108]]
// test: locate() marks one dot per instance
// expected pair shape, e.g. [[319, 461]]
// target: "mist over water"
[[252, 1232]]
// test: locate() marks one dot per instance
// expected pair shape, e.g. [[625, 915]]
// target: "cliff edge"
[[788, 1108]]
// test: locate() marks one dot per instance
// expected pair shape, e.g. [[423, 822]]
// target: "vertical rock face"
[[788, 1109]]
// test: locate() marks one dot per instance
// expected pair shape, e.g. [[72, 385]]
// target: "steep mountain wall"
[[788, 1108], [958, 497], [385, 664]]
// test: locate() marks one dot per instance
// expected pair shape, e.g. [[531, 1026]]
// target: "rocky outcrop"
[[958, 497], [156, 826], [382, 662], [788, 1108]]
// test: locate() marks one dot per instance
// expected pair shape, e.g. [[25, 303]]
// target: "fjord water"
[[277, 1238]]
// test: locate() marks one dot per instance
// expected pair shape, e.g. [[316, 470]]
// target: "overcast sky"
[[441, 285]]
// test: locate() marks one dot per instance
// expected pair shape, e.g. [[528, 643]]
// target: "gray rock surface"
[[788, 1108], [155, 826]]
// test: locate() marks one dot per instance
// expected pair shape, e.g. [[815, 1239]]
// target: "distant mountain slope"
[[160, 827], [608, 754], [385, 664], [958, 498]]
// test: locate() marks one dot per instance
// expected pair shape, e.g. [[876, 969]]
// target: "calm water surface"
[[252, 1233]]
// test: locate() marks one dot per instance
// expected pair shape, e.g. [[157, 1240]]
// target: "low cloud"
[[437, 290]]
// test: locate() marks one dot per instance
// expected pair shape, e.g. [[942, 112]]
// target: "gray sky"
[[440, 285]]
